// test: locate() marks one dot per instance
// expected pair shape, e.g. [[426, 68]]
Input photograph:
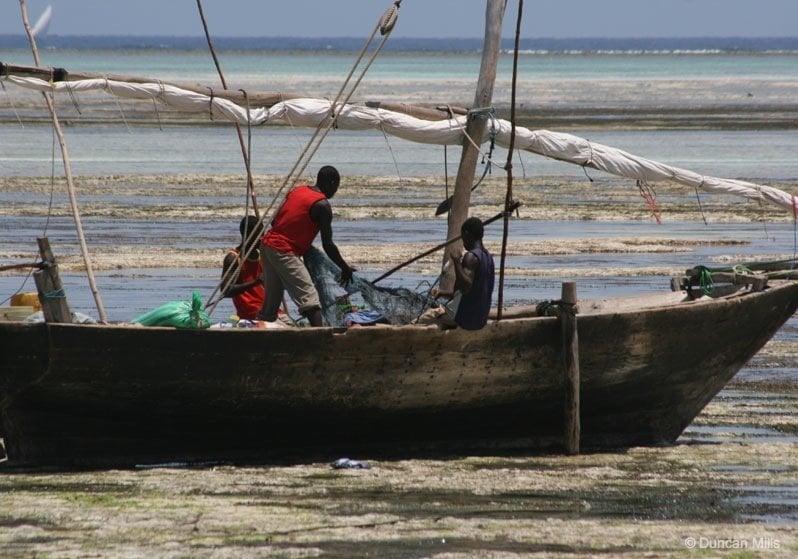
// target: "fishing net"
[[395, 305]]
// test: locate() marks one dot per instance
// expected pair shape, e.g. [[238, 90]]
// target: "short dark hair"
[[328, 176], [474, 226], [248, 224]]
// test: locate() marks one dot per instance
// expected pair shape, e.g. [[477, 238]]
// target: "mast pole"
[[475, 128], [84, 249]]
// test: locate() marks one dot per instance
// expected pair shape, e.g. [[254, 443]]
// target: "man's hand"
[[456, 254], [346, 276], [436, 293]]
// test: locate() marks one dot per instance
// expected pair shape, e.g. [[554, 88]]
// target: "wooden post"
[[571, 368], [48, 284], [476, 126]]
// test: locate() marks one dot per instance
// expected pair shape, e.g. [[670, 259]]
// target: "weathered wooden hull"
[[98, 395]]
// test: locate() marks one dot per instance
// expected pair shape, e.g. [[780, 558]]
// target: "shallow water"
[[756, 155], [129, 290]]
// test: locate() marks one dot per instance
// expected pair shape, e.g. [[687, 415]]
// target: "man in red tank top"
[[304, 213], [247, 289]]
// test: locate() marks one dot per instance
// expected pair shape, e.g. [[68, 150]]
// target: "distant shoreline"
[[544, 45]]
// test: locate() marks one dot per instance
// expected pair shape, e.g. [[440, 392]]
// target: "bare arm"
[[234, 289], [321, 213], [465, 268]]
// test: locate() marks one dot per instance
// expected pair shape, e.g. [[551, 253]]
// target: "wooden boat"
[[119, 394], [94, 394]]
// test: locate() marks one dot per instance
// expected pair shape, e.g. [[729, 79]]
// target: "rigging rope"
[[10, 100], [385, 25], [508, 199], [245, 153]]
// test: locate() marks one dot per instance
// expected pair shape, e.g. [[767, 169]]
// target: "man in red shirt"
[[305, 212], [247, 290]]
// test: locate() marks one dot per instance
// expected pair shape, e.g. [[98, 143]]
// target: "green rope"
[[750, 267], [705, 280], [741, 269], [56, 294]]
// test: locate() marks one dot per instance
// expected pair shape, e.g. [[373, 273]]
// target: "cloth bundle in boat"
[[396, 305], [179, 314]]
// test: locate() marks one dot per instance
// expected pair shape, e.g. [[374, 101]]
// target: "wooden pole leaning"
[[73, 202], [49, 287], [570, 340]]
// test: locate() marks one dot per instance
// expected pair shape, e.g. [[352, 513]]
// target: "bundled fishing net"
[[395, 305]]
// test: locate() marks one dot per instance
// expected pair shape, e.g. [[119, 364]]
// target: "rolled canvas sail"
[[311, 113]]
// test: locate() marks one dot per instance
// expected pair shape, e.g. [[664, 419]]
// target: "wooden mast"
[[476, 126]]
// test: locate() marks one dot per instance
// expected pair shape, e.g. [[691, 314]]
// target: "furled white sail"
[[43, 23], [313, 112]]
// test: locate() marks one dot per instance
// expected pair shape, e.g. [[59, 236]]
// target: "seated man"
[[247, 289], [471, 296]]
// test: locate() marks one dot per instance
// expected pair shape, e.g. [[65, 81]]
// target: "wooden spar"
[[417, 111], [84, 249], [239, 97], [49, 287], [570, 349], [475, 128], [436, 248]]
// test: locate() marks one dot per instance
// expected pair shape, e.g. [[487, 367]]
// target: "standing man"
[[304, 213], [247, 290], [474, 278]]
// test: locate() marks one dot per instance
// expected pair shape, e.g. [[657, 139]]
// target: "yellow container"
[[26, 300], [15, 313]]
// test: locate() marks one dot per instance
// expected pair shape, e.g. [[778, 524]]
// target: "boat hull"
[[122, 395]]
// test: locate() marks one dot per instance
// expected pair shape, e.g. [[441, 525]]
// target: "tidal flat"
[[727, 488]]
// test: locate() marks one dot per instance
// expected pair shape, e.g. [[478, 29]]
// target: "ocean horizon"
[[542, 45]]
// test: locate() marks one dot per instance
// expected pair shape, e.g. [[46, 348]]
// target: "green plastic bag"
[[180, 314]]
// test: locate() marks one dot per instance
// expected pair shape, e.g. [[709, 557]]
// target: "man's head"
[[472, 230], [328, 180], [249, 224]]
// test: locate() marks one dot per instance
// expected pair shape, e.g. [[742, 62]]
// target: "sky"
[[418, 18]]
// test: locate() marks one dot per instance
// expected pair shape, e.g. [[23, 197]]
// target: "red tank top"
[[250, 301], [292, 230]]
